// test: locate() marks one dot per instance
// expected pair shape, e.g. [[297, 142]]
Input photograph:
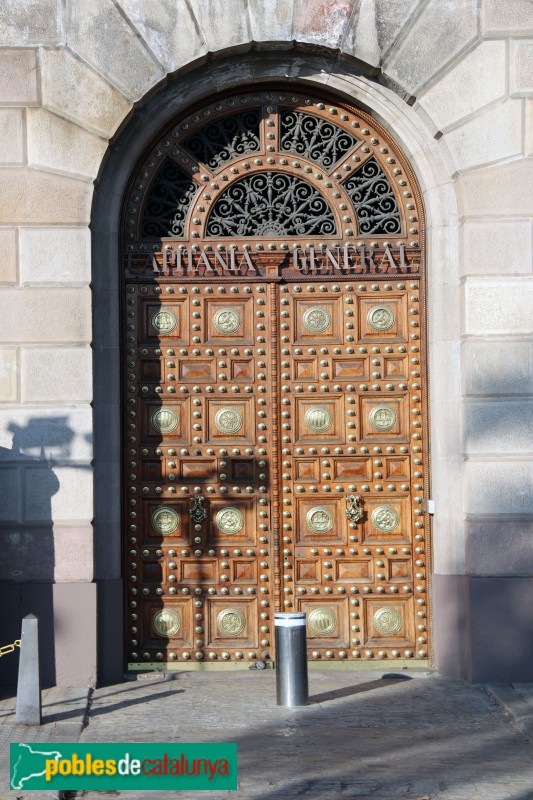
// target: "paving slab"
[[369, 735], [373, 734]]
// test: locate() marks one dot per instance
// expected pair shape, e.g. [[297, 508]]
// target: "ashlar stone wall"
[[454, 83]]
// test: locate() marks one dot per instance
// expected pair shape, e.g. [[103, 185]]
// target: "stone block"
[[361, 37], [11, 494], [498, 247], [55, 256], [322, 22], [18, 77], [498, 367], [75, 633], [58, 145], [117, 52], [503, 487], [37, 436], [63, 494], [73, 548], [75, 92], [528, 143], [513, 16], [27, 553], [8, 255], [222, 29], [374, 26], [499, 547], [495, 427], [490, 190], [56, 375], [9, 370], [31, 197], [434, 39], [450, 624], [477, 80], [271, 20], [501, 604], [12, 136], [521, 57], [169, 30], [498, 307], [26, 315], [32, 22], [493, 135]]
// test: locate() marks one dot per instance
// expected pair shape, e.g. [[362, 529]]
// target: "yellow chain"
[[9, 648]]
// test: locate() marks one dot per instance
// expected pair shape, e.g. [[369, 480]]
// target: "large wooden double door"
[[274, 453]]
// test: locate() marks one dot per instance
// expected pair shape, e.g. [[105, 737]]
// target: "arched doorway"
[[275, 390]]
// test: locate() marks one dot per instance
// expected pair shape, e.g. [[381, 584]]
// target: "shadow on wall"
[[27, 555]]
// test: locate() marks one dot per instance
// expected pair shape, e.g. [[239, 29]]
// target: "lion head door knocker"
[[354, 509], [198, 511]]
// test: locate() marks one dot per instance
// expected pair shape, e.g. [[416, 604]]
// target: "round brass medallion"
[[316, 319], [228, 420], [165, 520], [383, 418], [381, 318], [229, 520], [322, 621], [385, 519], [227, 321], [164, 321], [387, 621], [231, 622], [165, 420], [319, 519], [166, 622], [318, 419]]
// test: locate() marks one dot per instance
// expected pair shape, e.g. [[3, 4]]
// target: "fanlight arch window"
[[272, 165]]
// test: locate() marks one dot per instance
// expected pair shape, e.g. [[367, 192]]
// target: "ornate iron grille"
[[168, 202], [374, 200], [226, 139], [271, 204], [314, 138]]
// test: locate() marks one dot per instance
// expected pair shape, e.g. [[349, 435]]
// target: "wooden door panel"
[[198, 449], [359, 377], [208, 420]]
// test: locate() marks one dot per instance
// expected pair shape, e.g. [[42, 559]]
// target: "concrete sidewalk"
[[366, 734]]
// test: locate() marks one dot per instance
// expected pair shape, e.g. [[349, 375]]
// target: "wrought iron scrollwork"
[[198, 511], [354, 509], [271, 204], [226, 139], [374, 200], [168, 202], [314, 138]]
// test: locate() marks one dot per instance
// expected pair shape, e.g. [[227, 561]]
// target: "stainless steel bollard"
[[292, 687]]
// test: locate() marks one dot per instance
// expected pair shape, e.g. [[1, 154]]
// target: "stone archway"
[[390, 109]]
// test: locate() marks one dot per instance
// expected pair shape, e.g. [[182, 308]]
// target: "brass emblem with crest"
[[316, 319], [165, 520], [228, 420], [322, 621], [229, 520], [318, 419], [165, 420], [227, 320], [383, 418], [164, 321], [381, 318], [166, 622], [231, 622]]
